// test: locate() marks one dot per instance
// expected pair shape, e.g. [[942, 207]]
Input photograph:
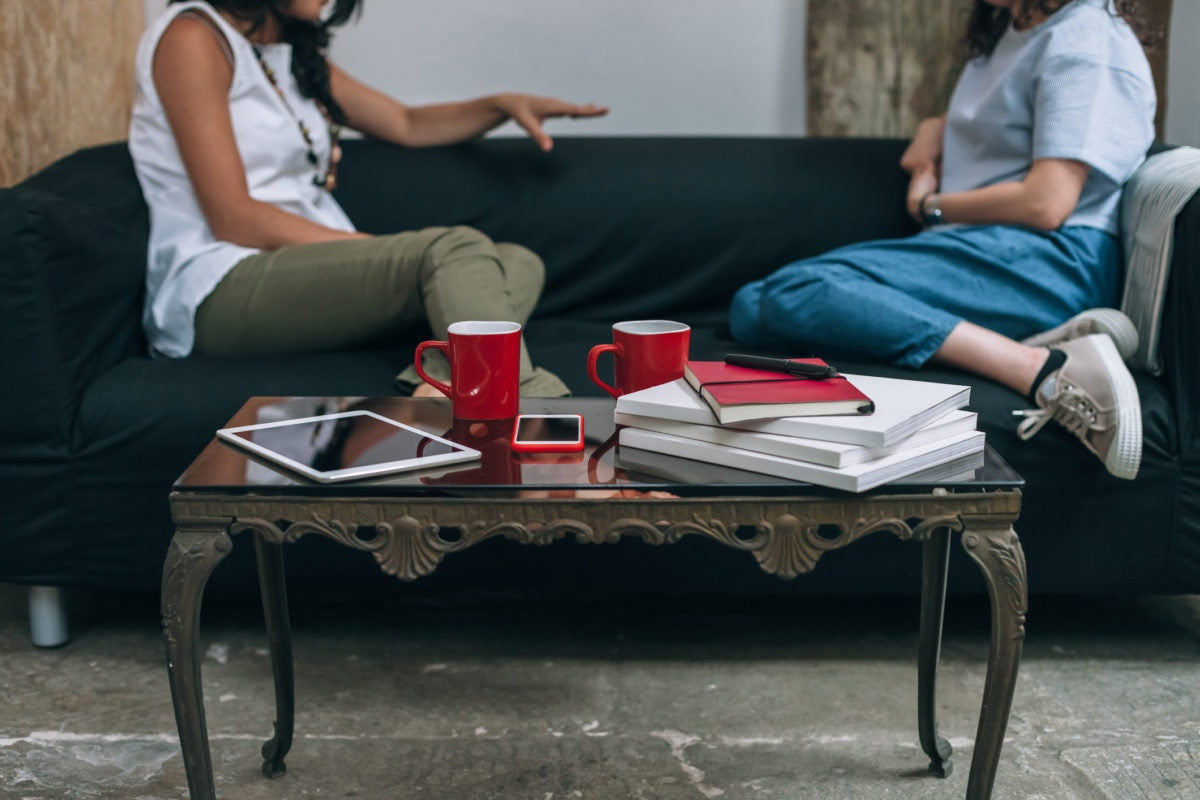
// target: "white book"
[[858, 478], [958, 470], [685, 470], [902, 407], [817, 451]]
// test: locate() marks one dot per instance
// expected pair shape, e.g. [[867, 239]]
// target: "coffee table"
[[409, 523]]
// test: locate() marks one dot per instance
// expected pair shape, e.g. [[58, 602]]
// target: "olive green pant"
[[363, 292]]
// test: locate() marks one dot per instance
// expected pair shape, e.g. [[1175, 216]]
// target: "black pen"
[[797, 368]]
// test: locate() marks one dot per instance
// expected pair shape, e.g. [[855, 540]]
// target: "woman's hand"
[[925, 150], [530, 112], [376, 114], [923, 182]]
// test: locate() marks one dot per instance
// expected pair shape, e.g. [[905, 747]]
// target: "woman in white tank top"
[[234, 139]]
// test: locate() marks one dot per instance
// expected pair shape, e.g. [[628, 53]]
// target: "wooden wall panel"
[[877, 67], [66, 78]]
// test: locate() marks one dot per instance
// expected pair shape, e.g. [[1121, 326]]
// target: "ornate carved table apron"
[[410, 523]]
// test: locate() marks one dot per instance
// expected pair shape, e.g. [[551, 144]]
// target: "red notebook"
[[736, 393]]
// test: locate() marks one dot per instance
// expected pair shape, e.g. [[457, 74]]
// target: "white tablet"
[[346, 446]]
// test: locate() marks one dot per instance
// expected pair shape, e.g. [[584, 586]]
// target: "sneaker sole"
[[1124, 455], [1109, 321]]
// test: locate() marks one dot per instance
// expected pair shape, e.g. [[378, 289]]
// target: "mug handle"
[[593, 357], [444, 347]]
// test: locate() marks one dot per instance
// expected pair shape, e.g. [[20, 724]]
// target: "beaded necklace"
[[328, 181]]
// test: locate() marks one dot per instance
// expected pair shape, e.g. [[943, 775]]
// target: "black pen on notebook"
[[797, 368]]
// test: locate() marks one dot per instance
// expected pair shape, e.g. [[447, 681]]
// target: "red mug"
[[485, 369], [645, 353]]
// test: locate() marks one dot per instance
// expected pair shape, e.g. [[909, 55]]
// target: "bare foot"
[[427, 390]]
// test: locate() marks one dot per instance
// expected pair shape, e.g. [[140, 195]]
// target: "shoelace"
[[1070, 407]]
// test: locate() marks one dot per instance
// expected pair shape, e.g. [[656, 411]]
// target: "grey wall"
[[1183, 75], [664, 66]]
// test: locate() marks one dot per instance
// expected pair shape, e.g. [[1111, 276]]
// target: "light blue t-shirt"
[[1077, 87]]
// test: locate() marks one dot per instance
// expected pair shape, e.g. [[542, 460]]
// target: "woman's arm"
[[192, 76], [924, 152], [382, 117], [922, 160], [1045, 199]]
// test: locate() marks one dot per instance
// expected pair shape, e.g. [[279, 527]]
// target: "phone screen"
[[548, 430]]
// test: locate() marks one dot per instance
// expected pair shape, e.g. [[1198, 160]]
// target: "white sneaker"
[[1094, 397], [1108, 321]]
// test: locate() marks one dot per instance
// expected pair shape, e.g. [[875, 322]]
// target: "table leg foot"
[[194, 552], [995, 547], [936, 558], [273, 751], [279, 632]]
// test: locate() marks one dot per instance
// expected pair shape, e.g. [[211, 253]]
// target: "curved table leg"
[[279, 631], [936, 549], [195, 551], [995, 547]]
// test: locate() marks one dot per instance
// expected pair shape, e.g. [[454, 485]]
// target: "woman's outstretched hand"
[[531, 111]]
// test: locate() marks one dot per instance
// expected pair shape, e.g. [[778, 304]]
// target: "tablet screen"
[[347, 445]]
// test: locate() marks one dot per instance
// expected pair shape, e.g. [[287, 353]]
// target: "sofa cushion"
[[638, 228]]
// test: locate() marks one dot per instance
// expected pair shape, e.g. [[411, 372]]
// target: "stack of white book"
[[917, 433]]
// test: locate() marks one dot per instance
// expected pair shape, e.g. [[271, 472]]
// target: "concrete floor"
[[554, 698]]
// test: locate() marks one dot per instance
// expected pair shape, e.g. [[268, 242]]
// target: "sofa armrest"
[[1160, 225], [1153, 199], [71, 277]]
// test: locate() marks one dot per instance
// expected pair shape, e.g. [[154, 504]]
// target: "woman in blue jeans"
[[1019, 186]]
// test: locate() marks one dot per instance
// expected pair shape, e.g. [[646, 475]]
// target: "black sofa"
[[93, 430]]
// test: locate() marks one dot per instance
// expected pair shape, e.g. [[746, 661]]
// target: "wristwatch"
[[931, 209]]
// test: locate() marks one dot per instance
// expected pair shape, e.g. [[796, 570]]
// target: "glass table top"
[[500, 472]]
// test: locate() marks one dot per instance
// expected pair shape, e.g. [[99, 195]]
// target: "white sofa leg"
[[47, 616]]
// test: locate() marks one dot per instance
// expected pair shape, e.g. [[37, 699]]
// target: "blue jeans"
[[897, 300]]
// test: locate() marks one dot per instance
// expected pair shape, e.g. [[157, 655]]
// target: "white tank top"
[[185, 260]]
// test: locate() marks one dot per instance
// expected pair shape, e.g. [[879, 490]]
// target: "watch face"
[[931, 211]]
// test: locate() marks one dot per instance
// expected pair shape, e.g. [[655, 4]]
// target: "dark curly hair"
[[309, 42], [988, 23]]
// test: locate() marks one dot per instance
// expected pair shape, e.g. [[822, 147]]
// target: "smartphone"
[[548, 433]]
